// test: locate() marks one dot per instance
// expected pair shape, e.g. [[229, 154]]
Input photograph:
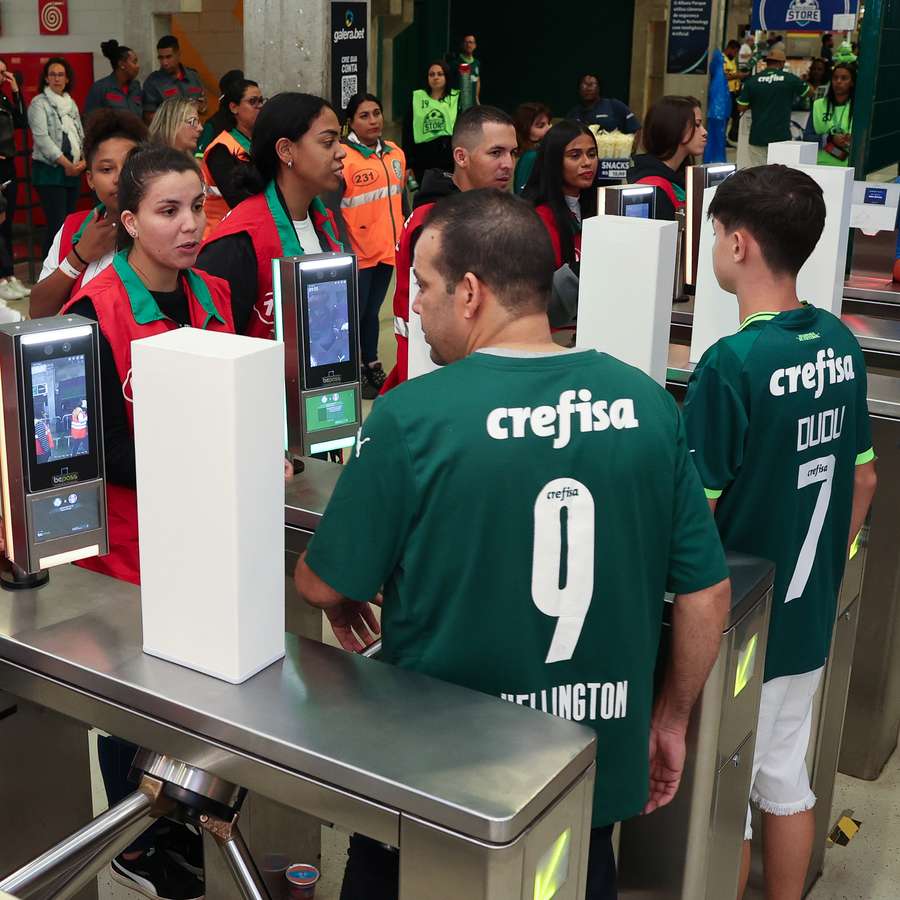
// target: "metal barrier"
[[433, 782]]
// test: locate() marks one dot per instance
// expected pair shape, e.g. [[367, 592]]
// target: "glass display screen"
[[719, 176], [329, 323], [638, 210], [330, 410], [58, 517], [59, 408]]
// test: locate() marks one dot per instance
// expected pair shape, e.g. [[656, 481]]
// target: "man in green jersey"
[[778, 427], [467, 73], [770, 96], [533, 505]]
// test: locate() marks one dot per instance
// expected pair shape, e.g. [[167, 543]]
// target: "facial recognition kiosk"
[[316, 316], [51, 446], [873, 216], [697, 180], [633, 200]]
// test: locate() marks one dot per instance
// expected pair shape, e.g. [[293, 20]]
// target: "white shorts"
[[780, 782]]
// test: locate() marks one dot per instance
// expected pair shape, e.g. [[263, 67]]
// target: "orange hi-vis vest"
[[372, 205], [79, 426], [215, 207]]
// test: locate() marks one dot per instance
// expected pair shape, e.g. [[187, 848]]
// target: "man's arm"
[[354, 624], [698, 620], [864, 483]]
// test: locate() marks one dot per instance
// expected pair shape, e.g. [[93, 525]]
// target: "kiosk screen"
[[58, 517], [331, 410], [59, 408], [329, 323], [638, 210], [717, 176]]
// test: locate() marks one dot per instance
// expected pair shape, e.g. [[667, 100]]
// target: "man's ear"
[[471, 292], [460, 157], [740, 246]]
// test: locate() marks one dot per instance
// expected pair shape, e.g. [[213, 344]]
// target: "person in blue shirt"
[[595, 109], [120, 90]]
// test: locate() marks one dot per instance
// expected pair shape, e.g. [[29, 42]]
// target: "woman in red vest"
[[296, 154], [230, 150], [85, 244], [149, 288]]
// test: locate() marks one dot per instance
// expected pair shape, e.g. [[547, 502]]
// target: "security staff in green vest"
[[429, 126], [831, 120], [533, 504]]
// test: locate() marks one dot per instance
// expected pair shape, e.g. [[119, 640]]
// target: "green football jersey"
[[525, 515], [777, 421]]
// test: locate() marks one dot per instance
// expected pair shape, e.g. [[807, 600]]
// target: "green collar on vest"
[[99, 211], [241, 138], [370, 151], [679, 192], [287, 236], [144, 307]]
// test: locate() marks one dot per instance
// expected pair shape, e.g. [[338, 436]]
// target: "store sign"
[[349, 52], [53, 16], [615, 168], [688, 48], [800, 15]]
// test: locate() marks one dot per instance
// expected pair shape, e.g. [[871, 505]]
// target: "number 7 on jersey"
[[562, 573]]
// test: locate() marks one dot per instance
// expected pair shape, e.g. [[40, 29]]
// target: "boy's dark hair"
[[168, 42], [545, 185], [146, 163], [500, 239], [665, 124], [105, 124], [470, 124], [783, 208]]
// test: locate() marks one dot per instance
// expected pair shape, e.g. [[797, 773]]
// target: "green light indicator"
[[746, 665], [553, 868]]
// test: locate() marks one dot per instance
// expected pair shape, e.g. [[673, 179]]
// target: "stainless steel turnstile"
[[873, 706], [480, 796], [696, 840]]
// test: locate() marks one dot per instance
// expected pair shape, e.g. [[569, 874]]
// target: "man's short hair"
[[783, 208], [470, 124], [500, 239], [168, 42]]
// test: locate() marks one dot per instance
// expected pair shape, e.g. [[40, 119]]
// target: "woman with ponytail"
[[120, 90], [296, 154]]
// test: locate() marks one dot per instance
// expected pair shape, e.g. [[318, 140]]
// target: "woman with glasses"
[[177, 124], [230, 150], [58, 158]]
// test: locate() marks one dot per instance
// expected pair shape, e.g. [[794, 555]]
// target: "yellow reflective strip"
[[866, 456], [711, 494]]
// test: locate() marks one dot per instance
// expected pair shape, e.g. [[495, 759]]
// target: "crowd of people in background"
[[555, 163]]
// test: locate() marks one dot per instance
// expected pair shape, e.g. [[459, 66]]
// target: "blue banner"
[[688, 50], [799, 15]]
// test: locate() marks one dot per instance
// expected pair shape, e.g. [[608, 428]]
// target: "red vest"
[[118, 325], [253, 217], [69, 229]]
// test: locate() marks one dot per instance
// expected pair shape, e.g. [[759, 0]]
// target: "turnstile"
[[480, 795], [697, 839]]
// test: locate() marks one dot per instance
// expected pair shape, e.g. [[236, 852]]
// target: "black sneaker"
[[374, 378], [155, 875], [184, 844]]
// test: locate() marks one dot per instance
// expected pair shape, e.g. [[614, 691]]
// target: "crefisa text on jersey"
[[578, 702], [556, 421], [812, 376]]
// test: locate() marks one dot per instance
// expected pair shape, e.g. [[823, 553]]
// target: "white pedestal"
[[820, 281], [419, 361], [793, 153], [208, 417], [625, 290]]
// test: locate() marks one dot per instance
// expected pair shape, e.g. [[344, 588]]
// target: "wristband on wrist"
[[78, 256], [68, 269]]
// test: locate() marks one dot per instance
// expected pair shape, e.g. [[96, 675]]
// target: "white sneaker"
[[21, 288], [8, 292]]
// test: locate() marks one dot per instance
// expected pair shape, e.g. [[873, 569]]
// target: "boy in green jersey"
[[778, 427], [533, 506]]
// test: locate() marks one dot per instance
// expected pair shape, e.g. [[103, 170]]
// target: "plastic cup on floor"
[[301, 880], [272, 870]]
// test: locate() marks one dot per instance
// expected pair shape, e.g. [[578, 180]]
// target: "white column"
[[793, 153], [625, 290], [208, 431]]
